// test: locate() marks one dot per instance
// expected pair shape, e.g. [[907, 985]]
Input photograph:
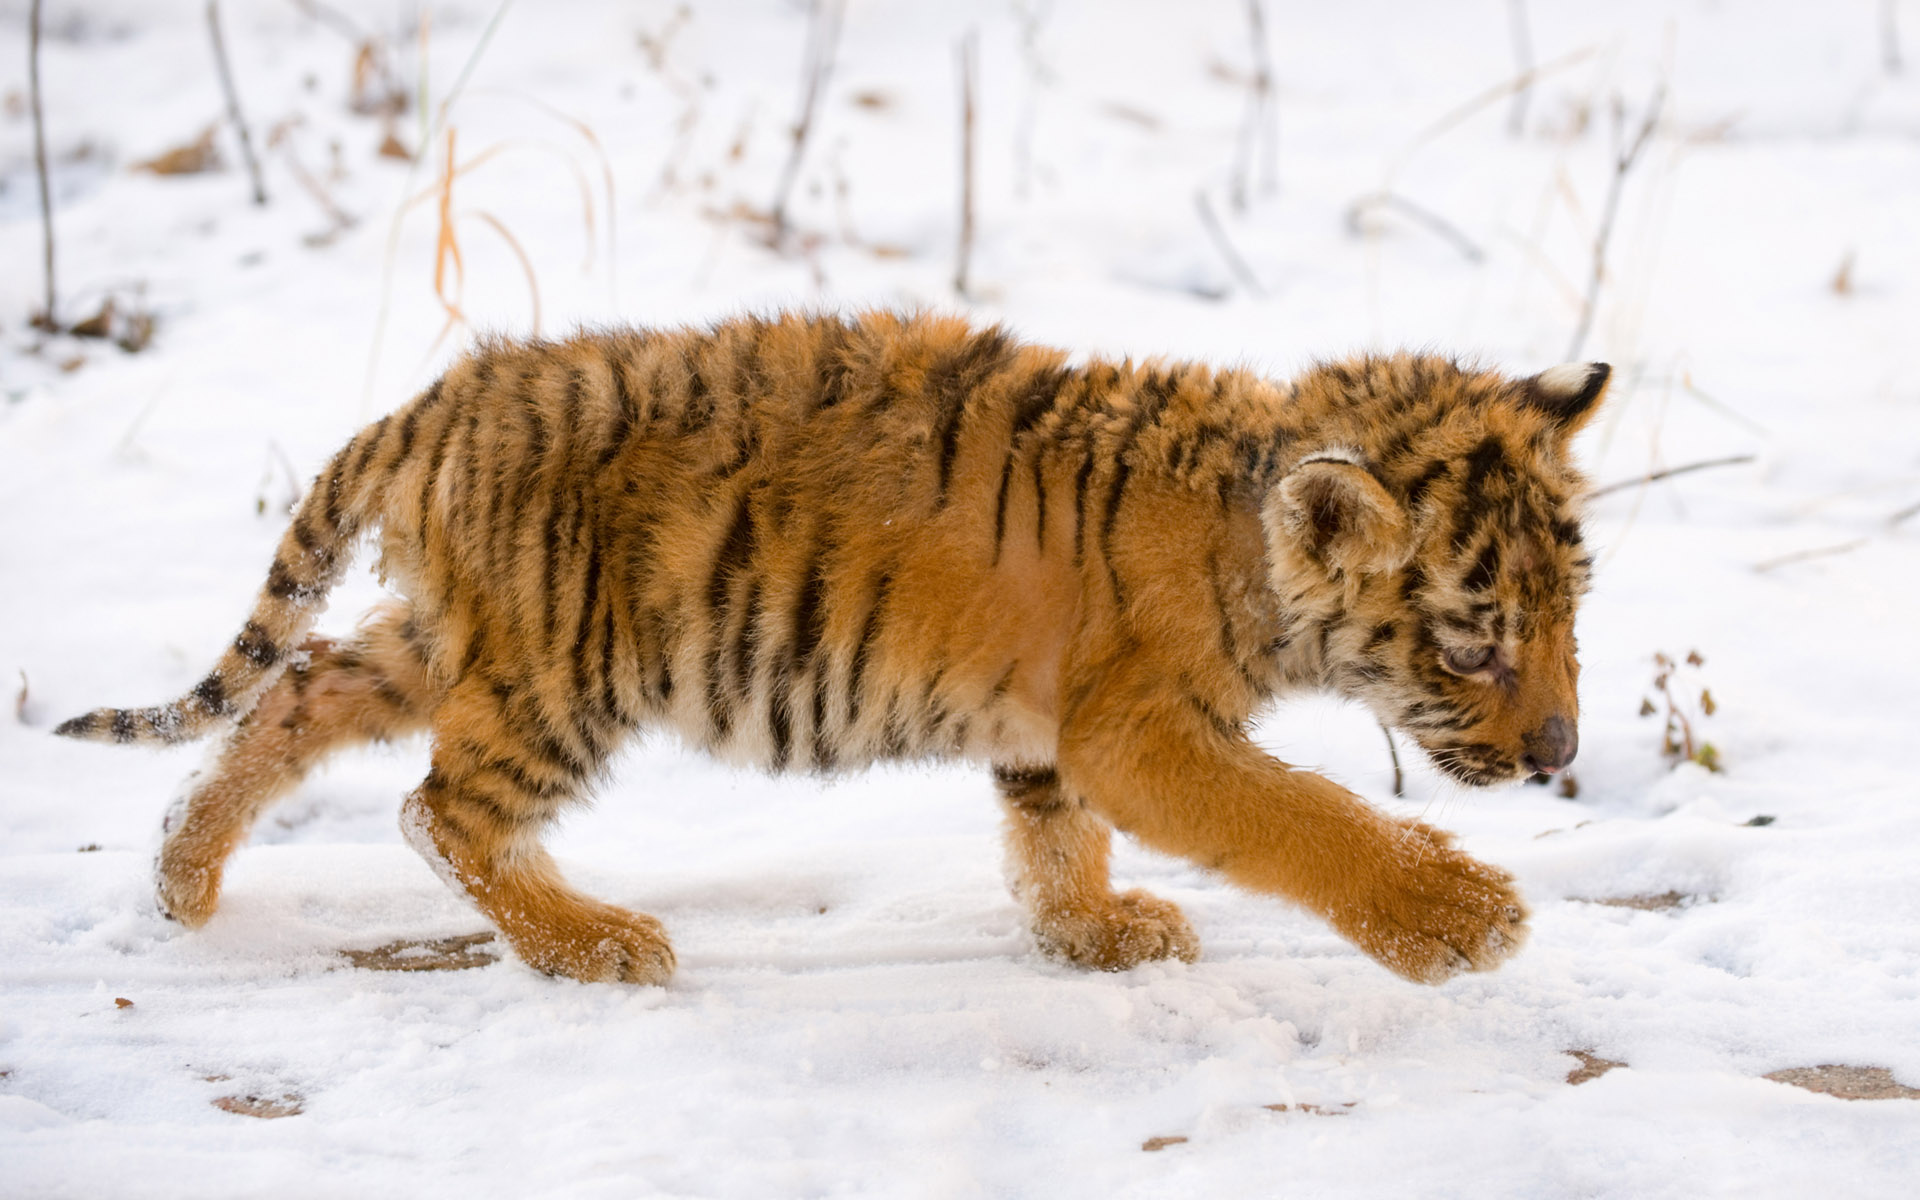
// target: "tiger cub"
[[811, 543]]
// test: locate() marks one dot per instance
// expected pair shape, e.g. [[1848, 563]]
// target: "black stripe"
[[745, 648], [780, 721], [1000, 507], [1039, 502], [369, 440], [834, 371], [1417, 490], [1220, 724], [432, 476], [211, 692], [809, 621], [823, 753], [256, 645], [863, 649], [1485, 568], [1080, 506], [281, 584], [625, 413], [733, 555], [609, 691], [1041, 394], [589, 598], [953, 382]]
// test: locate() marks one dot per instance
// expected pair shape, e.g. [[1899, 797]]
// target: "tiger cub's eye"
[[1466, 662]]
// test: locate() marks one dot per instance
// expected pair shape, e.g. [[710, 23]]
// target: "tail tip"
[[82, 726]]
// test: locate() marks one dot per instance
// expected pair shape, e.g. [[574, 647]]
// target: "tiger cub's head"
[[1443, 575]]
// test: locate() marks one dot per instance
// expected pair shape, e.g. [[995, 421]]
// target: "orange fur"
[[811, 543]]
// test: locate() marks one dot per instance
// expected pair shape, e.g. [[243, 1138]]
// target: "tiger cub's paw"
[[595, 943], [1129, 929], [1432, 912]]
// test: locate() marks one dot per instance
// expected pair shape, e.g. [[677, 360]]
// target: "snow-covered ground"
[[858, 1010]]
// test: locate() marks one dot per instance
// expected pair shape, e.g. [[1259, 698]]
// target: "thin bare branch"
[[233, 102], [1905, 514], [1817, 552], [1626, 154], [1522, 59], [969, 53], [333, 19], [1426, 218], [46, 318], [1217, 234], [1393, 752], [1492, 95], [823, 35], [1259, 132], [1890, 36], [1670, 472]]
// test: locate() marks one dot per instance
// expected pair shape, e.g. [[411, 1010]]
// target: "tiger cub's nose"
[[1552, 746]]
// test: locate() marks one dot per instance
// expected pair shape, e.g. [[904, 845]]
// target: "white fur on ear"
[[1568, 393], [1568, 380]]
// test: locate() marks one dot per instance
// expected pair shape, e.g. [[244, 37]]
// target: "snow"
[[858, 1010]]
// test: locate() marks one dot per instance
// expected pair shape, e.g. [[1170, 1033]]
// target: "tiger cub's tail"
[[313, 554]]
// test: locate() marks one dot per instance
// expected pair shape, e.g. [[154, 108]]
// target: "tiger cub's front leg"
[[1187, 784], [1057, 852], [499, 778]]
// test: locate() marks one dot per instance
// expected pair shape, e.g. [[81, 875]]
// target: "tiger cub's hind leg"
[[374, 687], [1057, 854], [500, 775]]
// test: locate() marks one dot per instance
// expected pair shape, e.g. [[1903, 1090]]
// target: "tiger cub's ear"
[[1569, 393], [1331, 509]]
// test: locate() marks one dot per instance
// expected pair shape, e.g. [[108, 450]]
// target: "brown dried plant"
[[1678, 740]]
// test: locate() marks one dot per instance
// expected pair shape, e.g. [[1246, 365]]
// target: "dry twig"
[[1523, 59], [1655, 476], [46, 318], [1393, 752], [1217, 233], [1817, 552], [969, 73], [1625, 155], [1889, 36], [233, 102], [1258, 127], [1426, 218], [823, 35]]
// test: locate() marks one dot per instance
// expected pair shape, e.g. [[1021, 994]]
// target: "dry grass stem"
[[823, 36], [1493, 95], [46, 318], [1626, 152], [1523, 59], [1393, 752], [1426, 218], [233, 102], [969, 55], [1799, 556], [1259, 129], [1217, 234], [1655, 476]]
